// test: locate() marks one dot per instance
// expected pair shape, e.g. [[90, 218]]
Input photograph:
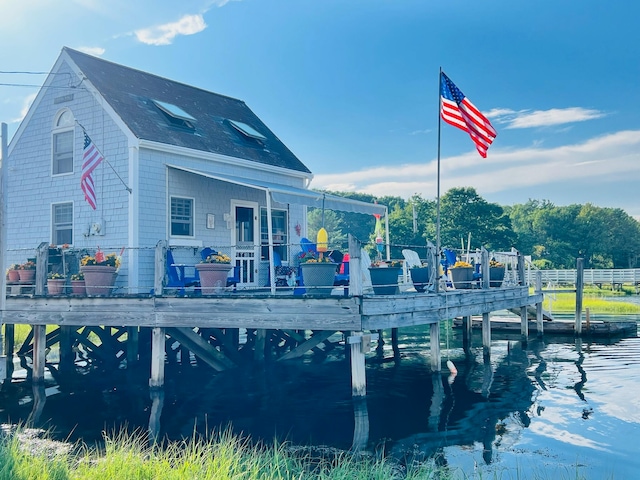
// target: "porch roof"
[[293, 195]]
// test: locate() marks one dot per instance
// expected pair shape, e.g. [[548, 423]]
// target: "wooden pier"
[[275, 327]]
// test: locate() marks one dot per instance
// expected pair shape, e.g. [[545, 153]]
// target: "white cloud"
[[503, 170], [96, 51], [28, 100], [542, 118], [164, 34]]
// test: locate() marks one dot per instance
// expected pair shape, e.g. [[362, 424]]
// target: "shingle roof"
[[131, 93]]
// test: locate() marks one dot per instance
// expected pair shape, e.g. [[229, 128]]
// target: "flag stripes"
[[458, 111], [91, 158]]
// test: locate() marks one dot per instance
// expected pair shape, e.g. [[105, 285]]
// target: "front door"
[[245, 238]]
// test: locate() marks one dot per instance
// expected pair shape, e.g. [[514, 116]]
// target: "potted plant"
[[318, 272], [461, 275], [420, 276], [99, 272], [384, 276], [27, 272], [78, 284], [13, 273], [55, 283], [496, 273], [213, 272]]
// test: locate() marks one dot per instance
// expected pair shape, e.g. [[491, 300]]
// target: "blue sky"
[[351, 86]]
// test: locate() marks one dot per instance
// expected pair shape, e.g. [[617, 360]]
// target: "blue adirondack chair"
[[176, 276]]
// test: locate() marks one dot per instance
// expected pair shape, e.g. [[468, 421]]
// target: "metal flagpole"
[[437, 266]]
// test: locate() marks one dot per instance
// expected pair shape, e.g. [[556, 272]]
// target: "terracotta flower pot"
[[55, 286], [99, 279], [213, 277], [78, 288], [385, 280], [13, 276], [27, 276], [318, 277]]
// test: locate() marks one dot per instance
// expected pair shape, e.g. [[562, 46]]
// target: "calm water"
[[531, 411]]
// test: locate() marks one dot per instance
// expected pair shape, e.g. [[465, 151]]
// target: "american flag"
[[91, 158], [457, 110]]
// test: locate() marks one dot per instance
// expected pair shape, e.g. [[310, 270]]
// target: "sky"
[[351, 86]]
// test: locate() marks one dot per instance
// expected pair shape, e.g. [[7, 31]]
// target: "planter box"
[[385, 280], [318, 278], [420, 277], [496, 276], [462, 277]]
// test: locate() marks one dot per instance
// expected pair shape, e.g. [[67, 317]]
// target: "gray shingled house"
[[180, 164]]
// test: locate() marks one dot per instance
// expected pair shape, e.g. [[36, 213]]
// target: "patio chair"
[[176, 277], [411, 258], [234, 279]]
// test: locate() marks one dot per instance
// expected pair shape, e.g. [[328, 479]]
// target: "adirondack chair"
[[411, 258], [176, 276]]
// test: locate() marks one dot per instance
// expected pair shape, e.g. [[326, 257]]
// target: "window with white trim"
[[62, 223], [62, 143], [181, 217]]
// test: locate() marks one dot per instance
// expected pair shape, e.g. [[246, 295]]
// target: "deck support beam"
[[133, 345], [67, 357], [524, 324], [39, 352], [157, 357], [6, 370], [434, 339], [579, 293]]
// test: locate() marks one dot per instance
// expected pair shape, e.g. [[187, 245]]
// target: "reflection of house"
[[181, 164]]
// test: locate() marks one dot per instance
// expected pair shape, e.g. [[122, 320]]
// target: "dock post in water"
[[157, 357], [358, 374], [39, 352], [579, 293], [539, 316], [434, 338]]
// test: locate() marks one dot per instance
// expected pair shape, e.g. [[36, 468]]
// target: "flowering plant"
[[29, 265], [217, 258], [110, 260], [384, 263], [313, 257], [77, 276], [461, 264], [55, 276], [495, 264], [15, 266]]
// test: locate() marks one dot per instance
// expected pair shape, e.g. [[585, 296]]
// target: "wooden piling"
[[39, 352], [358, 373], [434, 339], [524, 324], [67, 356], [133, 344], [157, 357], [486, 333], [579, 293], [539, 316]]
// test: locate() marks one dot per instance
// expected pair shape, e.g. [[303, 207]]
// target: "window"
[[181, 217], [62, 144], [62, 223], [279, 230]]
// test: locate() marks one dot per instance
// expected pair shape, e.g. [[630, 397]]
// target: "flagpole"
[[437, 266]]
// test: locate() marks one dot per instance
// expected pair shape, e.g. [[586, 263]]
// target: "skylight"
[[174, 111], [247, 130]]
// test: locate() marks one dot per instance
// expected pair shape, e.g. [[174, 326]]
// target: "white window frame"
[[55, 229], [64, 124], [280, 245], [192, 219]]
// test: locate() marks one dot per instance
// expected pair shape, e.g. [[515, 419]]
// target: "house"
[[180, 164]]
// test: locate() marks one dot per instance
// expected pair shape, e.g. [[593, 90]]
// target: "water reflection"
[[545, 395]]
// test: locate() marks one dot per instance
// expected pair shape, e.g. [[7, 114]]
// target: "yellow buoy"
[[322, 240]]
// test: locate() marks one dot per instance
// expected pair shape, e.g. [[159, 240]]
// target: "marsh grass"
[[595, 301], [224, 456]]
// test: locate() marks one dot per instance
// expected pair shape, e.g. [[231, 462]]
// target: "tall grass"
[[225, 456], [597, 304]]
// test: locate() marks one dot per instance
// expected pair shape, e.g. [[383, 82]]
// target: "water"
[[537, 411]]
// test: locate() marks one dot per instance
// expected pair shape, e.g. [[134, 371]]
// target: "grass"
[[129, 456], [596, 300]]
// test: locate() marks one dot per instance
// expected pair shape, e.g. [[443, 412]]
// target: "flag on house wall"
[[91, 158], [457, 110]]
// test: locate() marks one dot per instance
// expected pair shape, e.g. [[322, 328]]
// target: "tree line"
[[553, 235]]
